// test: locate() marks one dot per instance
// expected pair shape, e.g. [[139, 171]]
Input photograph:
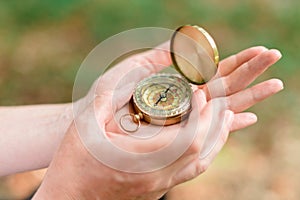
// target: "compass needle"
[[160, 97]]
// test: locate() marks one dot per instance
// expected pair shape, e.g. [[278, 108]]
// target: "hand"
[[75, 173]]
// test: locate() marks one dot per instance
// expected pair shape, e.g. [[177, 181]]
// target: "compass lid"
[[194, 54]]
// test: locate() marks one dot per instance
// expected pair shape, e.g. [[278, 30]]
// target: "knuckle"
[[146, 186], [194, 147], [136, 185], [229, 88], [202, 166], [224, 138]]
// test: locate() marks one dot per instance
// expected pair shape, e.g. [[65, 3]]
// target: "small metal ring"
[[132, 117]]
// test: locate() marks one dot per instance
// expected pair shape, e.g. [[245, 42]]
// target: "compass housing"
[[163, 99]]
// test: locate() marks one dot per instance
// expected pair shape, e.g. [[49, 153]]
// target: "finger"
[[130, 71], [245, 99], [243, 120], [137, 67], [110, 102], [201, 98], [200, 120], [198, 166], [231, 63], [206, 159], [242, 76], [187, 172], [248, 72], [154, 60], [210, 123]]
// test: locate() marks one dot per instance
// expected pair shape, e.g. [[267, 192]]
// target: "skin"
[[47, 124], [75, 173]]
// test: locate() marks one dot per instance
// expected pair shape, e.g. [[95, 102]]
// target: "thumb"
[[121, 96]]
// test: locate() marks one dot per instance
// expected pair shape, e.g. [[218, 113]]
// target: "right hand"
[[77, 171]]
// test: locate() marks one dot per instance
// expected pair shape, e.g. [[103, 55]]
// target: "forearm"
[[29, 135]]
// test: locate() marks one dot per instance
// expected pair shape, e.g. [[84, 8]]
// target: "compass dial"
[[162, 96]]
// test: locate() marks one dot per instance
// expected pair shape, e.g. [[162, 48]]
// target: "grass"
[[44, 42]]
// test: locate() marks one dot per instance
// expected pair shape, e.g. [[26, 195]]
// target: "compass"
[[165, 99]]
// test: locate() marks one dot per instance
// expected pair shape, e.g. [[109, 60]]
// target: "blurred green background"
[[42, 44]]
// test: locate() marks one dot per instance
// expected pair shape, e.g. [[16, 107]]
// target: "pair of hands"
[[97, 160]]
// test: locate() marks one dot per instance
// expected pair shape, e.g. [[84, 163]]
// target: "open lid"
[[194, 54]]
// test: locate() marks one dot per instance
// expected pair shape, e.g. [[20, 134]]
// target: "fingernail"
[[252, 117], [277, 52], [280, 83], [263, 48]]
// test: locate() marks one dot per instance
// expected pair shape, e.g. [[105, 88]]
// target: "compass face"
[[163, 96]]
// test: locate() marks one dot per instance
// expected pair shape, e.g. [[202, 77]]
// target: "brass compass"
[[165, 99]]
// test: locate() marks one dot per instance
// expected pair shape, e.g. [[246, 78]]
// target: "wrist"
[[49, 191], [45, 127], [64, 118], [65, 178]]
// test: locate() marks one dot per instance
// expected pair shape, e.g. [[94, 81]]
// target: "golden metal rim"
[[168, 120], [210, 41]]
